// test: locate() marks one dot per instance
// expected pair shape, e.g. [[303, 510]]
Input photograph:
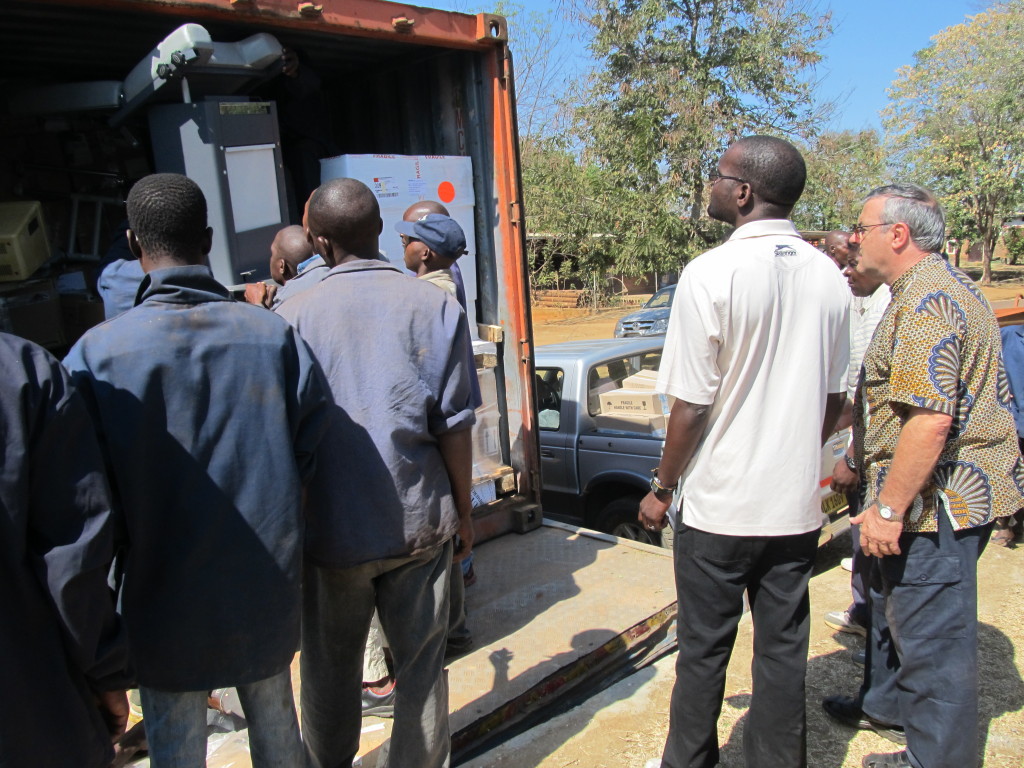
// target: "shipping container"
[[95, 94]]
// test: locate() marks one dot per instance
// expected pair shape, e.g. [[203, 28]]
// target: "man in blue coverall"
[[210, 412]]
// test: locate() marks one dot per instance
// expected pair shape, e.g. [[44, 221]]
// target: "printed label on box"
[[633, 401]]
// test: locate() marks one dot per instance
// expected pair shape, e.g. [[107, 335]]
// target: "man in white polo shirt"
[[756, 357]]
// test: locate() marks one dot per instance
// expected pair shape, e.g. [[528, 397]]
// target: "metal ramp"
[[556, 614]]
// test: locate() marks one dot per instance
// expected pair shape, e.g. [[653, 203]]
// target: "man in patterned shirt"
[[935, 441]]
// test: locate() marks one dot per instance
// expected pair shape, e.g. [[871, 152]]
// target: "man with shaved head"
[[837, 247], [287, 253], [293, 264], [756, 356], [389, 504]]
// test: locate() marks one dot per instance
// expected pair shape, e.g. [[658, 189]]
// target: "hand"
[[464, 540], [289, 62], [260, 294], [844, 479], [652, 512], [878, 537], [113, 707]]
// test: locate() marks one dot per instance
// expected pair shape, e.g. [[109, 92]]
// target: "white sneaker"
[[847, 564], [841, 622], [654, 762]]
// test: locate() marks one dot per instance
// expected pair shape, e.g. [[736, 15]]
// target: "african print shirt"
[[938, 347]]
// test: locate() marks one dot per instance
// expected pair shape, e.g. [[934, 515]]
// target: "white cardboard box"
[[398, 181], [643, 424], [645, 380]]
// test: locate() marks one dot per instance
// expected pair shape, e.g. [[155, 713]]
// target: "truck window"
[[604, 377], [549, 397]]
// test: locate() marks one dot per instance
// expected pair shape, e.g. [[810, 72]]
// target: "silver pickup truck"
[[594, 468]]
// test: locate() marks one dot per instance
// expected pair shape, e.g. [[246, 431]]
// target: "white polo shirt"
[[760, 332]]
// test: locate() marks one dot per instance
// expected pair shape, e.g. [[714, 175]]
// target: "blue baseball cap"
[[440, 233]]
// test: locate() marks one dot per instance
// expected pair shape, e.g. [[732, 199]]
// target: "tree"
[[956, 121], [564, 204], [842, 167], [543, 67], [1013, 239], [680, 80]]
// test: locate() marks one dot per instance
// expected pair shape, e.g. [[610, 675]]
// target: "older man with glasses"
[[935, 445]]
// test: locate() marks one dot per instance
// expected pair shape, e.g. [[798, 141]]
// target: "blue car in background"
[[651, 319]]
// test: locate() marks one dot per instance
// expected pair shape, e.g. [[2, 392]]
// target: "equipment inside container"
[[374, 96]]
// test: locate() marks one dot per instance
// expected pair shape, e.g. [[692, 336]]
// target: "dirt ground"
[[554, 325], [627, 725]]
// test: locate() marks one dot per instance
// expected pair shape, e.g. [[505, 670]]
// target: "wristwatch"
[[888, 514], [851, 463], [661, 492]]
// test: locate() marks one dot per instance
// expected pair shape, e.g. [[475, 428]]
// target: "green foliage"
[[680, 80], [956, 122], [842, 167], [564, 208], [1013, 239]]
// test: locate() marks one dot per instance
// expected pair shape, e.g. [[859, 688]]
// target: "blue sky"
[[871, 40]]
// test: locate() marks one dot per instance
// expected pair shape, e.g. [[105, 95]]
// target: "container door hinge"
[[506, 66]]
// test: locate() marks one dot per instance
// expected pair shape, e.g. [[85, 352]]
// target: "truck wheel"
[[619, 518]]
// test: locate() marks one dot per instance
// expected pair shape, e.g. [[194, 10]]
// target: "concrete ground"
[[625, 725]]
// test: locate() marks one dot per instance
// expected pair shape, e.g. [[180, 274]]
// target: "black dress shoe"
[[457, 646], [379, 703], [848, 712], [885, 760]]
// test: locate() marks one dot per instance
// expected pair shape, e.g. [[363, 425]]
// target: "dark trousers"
[[860, 572], [921, 670], [411, 598], [712, 573]]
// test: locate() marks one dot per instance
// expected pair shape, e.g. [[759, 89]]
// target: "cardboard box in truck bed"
[[636, 401]]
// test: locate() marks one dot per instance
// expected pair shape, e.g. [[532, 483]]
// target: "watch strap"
[[659, 490], [892, 517]]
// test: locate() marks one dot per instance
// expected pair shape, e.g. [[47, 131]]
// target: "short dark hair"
[[346, 211], [774, 168], [167, 213]]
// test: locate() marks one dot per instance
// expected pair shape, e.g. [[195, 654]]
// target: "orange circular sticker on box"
[[446, 191]]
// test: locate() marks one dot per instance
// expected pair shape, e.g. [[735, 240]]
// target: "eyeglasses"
[[714, 178], [861, 229]]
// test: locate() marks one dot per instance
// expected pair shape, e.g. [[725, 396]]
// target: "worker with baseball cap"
[[432, 244]]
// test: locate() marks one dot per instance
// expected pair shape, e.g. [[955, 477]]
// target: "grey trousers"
[[411, 597]]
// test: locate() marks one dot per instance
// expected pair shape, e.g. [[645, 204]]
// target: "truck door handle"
[[544, 454]]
